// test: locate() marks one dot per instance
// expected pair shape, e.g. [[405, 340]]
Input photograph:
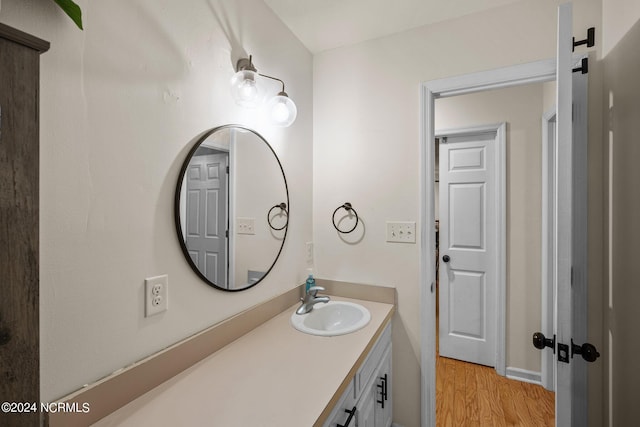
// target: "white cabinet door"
[[382, 392], [367, 412]]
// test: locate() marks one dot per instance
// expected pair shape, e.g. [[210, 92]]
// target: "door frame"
[[547, 364], [533, 72], [230, 200], [500, 266]]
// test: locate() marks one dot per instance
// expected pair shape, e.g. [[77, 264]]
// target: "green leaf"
[[71, 9]]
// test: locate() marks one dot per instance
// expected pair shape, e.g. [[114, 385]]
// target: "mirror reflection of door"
[[207, 213], [230, 225]]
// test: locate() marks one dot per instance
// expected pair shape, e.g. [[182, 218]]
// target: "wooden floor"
[[474, 395]]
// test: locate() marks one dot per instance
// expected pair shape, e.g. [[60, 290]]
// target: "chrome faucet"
[[310, 299]]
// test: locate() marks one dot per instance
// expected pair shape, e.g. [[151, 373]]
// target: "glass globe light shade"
[[245, 89], [282, 110]]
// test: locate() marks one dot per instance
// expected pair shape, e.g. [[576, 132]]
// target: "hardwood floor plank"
[[445, 417], [459, 410], [471, 395], [495, 402], [440, 367], [485, 398], [520, 403], [543, 402], [511, 417]]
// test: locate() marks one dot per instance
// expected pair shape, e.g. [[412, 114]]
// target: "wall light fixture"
[[248, 92]]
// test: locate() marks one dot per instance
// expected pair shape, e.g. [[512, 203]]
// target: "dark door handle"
[[587, 351], [446, 258], [540, 341]]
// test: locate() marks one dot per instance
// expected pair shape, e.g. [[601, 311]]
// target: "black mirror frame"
[[176, 205]]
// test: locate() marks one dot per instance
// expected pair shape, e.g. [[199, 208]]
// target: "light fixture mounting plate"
[[245, 64]]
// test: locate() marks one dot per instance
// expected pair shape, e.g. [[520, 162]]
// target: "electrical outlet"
[[246, 225], [156, 293], [401, 231]]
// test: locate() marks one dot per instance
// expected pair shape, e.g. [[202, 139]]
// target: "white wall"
[[121, 104], [621, 293], [618, 17], [366, 147], [259, 186]]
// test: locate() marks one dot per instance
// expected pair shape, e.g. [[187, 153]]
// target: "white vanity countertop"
[[271, 376]]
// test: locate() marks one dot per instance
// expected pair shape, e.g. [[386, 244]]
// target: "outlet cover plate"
[[401, 231], [156, 294]]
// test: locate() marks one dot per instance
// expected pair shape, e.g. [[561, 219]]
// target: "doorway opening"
[[538, 72], [488, 207]]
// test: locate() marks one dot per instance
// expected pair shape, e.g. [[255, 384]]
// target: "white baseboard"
[[524, 375]]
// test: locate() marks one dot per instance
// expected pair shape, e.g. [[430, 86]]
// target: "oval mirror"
[[231, 208]]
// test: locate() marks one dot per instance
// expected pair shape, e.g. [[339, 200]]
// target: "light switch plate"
[[401, 231], [246, 225]]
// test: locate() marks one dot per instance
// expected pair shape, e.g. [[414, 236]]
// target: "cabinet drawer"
[[372, 361], [339, 414]]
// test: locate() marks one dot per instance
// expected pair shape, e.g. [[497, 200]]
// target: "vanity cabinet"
[[367, 400]]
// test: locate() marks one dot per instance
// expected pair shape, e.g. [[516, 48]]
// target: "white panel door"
[[207, 216], [468, 248]]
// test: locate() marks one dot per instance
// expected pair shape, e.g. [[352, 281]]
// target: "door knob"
[[587, 351], [540, 341], [446, 258]]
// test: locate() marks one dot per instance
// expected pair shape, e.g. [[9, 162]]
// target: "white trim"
[[523, 375], [539, 71], [427, 255], [232, 183], [532, 72], [563, 238], [548, 230], [500, 267], [580, 243]]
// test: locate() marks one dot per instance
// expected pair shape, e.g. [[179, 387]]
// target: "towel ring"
[[347, 206], [283, 207]]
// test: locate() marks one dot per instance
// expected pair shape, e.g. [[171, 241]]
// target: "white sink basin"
[[332, 318]]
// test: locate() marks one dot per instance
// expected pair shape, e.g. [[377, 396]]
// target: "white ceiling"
[[327, 24]]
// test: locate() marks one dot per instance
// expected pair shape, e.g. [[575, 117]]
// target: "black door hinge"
[[584, 67], [590, 41]]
